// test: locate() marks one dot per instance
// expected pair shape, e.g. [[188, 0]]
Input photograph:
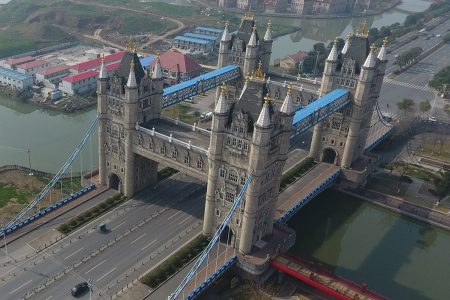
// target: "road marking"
[[97, 265], [15, 290], [137, 239], [49, 297], [74, 253], [172, 216], [118, 225], [148, 245], [185, 220], [100, 278]]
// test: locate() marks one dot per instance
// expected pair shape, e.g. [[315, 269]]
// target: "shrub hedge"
[[175, 262], [296, 172], [90, 214]]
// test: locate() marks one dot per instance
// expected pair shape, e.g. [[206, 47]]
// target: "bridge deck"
[[178, 132], [320, 278], [377, 133], [304, 186]]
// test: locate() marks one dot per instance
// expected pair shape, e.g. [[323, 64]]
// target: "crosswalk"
[[408, 85]]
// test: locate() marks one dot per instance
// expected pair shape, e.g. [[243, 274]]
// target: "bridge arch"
[[115, 183], [329, 155], [228, 237]]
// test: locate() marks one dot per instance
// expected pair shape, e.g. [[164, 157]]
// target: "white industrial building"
[[14, 79]]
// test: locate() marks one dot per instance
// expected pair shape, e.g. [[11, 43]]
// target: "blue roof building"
[[208, 31], [146, 61], [194, 44], [14, 79]]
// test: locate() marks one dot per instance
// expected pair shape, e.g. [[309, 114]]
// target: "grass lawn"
[[9, 191], [436, 150], [12, 43], [388, 184], [144, 23]]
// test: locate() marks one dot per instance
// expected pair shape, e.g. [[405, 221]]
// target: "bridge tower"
[[251, 134], [340, 139], [128, 97]]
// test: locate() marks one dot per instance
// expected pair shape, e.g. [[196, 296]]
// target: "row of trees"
[[408, 106], [408, 56], [441, 80]]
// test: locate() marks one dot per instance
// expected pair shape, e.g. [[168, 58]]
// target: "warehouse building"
[[14, 79]]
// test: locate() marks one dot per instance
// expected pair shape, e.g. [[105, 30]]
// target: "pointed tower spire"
[[157, 73], [333, 56], [264, 116], [103, 73], [347, 43], [268, 35], [131, 83], [252, 41], [288, 107], [371, 58], [382, 54], [221, 106], [225, 35]]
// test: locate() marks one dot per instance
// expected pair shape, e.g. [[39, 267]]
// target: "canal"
[[396, 256]]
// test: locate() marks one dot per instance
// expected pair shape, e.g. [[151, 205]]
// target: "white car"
[[432, 119]]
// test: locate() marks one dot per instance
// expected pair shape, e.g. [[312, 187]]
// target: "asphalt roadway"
[[172, 217]]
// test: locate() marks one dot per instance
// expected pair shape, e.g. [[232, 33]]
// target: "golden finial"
[[362, 29], [158, 57], [254, 28], [130, 45], [269, 24], [385, 41], [266, 98], [373, 47], [349, 35], [289, 88], [249, 15], [223, 88], [103, 57], [247, 78], [336, 41], [258, 73]]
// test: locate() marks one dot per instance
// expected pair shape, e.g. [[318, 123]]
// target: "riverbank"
[[402, 206]]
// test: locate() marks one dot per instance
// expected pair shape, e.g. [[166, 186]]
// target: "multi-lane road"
[[144, 231]]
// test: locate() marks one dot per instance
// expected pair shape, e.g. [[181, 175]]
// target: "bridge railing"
[[186, 125], [170, 139]]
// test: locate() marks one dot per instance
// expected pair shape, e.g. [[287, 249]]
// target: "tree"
[[442, 184], [406, 104], [441, 79], [425, 106], [408, 56]]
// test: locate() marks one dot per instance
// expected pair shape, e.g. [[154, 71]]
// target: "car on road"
[[432, 119], [79, 289]]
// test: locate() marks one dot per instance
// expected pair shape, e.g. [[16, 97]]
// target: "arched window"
[[233, 175]]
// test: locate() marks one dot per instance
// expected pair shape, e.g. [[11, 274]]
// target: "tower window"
[[234, 141], [233, 176], [229, 197], [245, 146], [239, 143], [222, 173], [186, 159], [174, 153], [218, 213], [229, 140], [199, 164], [324, 139], [333, 142], [162, 149]]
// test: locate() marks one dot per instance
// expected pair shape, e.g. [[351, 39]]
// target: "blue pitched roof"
[[145, 62], [319, 103], [188, 39], [201, 36], [209, 29], [13, 74], [209, 75]]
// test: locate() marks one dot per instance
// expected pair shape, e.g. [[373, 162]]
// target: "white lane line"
[[185, 220], [103, 276], [97, 265], [140, 237], [118, 225], [15, 290], [49, 297], [74, 253], [172, 216], [148, 245]]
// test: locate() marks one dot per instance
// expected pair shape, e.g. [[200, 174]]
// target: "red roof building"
[[11, 63], [51, 74], [32, 67], [79, 83], [177, 67], [95, 63], [291, 61]]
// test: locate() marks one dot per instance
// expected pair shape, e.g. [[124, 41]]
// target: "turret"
[[347, 43], [251, 53], [267, 47], [224, 48], [258, 161], [102, 106], [220, 117]]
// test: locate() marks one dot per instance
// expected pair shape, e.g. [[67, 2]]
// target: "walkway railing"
[[194, 127], [171, 139]]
